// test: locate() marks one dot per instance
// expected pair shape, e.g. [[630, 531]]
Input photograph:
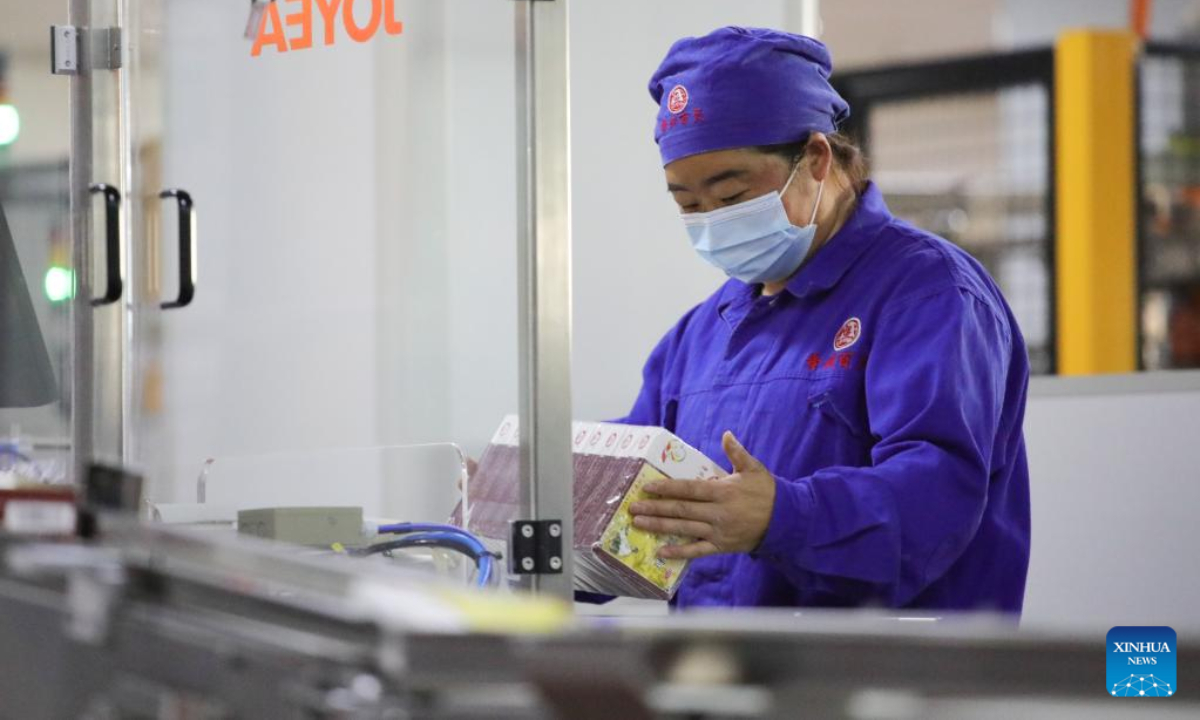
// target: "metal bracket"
[[64, 50], [535, 547], [106, 48], [103, 49]]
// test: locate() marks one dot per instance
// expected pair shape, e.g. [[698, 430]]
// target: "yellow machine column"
[[1096, 233]]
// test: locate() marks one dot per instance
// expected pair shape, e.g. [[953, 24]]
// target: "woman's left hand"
[[725, 515]]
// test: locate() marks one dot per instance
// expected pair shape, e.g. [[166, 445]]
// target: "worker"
[[863, 380]]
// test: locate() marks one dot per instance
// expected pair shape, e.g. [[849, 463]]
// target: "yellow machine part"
[[1096, 234]]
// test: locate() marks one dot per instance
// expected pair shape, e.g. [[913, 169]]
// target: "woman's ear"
[[819, 155]]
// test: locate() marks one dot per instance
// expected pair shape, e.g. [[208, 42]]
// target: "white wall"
[[1036, 22], [1114, 465], [874, 32]]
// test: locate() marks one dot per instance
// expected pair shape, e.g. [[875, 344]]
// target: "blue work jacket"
[[885, 391]]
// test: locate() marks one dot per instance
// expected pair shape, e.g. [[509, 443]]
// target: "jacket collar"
[[841, 251]]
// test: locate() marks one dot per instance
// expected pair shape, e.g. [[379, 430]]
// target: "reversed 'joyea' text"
[[271, 30]]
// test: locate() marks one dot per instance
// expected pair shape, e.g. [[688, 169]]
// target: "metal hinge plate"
[[105, 48], [68, 45], [64, 50], [535, 547]]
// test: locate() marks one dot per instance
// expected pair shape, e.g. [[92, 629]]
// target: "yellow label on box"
[[637, 548]]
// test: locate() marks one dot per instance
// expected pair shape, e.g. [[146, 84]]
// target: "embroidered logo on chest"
[[847, 335]]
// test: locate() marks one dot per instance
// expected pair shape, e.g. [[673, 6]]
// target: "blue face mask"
[[753, 241]]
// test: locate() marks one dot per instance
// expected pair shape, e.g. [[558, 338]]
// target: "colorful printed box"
[[612, 463]]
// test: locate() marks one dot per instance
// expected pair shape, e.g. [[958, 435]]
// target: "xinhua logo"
[[1141, 661]]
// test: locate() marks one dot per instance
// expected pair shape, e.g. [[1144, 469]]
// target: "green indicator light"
[[10, 124], [59, 284]]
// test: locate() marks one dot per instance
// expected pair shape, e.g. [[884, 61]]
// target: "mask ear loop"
[[817, 205], [791, 177], [820, 188]]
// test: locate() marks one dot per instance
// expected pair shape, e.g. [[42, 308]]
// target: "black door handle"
[[187, 248], [114, 282]]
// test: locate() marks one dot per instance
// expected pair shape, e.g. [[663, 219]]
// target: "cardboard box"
[[612, 463]]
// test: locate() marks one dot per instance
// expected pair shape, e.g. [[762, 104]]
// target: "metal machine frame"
[[1150, 50], [158, 622], [544, 281], [79, 184]]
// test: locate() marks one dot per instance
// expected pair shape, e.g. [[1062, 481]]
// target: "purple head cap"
[[741, 87]]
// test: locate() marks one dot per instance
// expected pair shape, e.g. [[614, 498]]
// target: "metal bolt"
[[527, 530], [556, 563], [527, 564], [555, 530]]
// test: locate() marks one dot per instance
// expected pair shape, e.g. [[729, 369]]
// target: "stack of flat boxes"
[[611, 463]]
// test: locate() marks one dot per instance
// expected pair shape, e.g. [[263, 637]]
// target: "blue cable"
[[475, 549], [442, 540], [398, 528], [418, 534]]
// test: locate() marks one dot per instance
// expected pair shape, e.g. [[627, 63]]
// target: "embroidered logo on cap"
[[678, 99], [847, 335]]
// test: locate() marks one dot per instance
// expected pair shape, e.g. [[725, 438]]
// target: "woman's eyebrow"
[[709, 182]]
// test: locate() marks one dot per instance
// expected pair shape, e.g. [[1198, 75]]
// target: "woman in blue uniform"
[[862, 379]]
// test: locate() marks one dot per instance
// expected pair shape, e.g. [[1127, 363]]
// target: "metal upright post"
[[544, 281], [804, 17], [80, 179]]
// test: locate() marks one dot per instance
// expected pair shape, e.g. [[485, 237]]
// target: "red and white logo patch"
[[674, 451], [848, 334], [677, 101]]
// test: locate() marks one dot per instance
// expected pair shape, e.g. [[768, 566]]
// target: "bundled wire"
[[447, 537]]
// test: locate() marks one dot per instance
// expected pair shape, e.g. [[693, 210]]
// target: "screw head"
[[555, 563], [527, 564], [555, 530], [527, 530]]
